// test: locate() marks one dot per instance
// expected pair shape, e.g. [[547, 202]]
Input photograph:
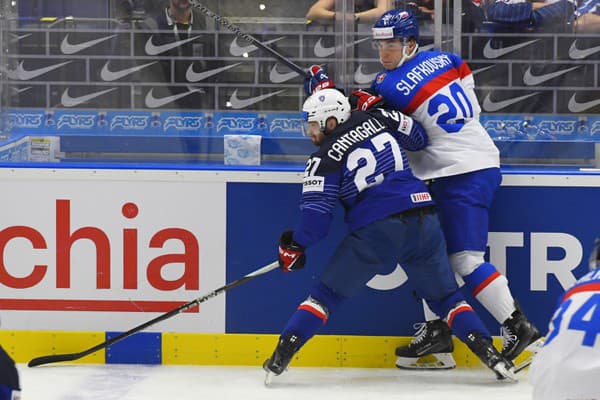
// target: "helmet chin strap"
[[405, 54]]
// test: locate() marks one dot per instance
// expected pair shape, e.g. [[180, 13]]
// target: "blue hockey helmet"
[[396, 24]]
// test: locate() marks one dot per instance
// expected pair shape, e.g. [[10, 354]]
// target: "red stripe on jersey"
[[464, 70], [483, 284], [586, 287], [428, 89], [314, 311], [454, 312]]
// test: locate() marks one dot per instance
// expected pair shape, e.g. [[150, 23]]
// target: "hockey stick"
[[75, 356], [227, 24]]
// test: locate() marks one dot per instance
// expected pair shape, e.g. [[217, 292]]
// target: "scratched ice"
[[134, 382]]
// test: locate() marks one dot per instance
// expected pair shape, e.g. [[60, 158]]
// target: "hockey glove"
[[318, 80], [364, 99], [291, 254]]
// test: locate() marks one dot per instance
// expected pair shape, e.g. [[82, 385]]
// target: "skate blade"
[[503, 374], [429, 362], [268, 377], [532, 350]]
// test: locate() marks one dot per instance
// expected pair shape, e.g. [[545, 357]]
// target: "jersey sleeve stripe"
[[430, 88]]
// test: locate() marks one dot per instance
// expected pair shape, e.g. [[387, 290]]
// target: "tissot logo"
[[490, 52], [69, 101], [69, 48], [153, 50], [531, 80], [322, 51], [237, 103], [236, 50], [576, 107], [22, 74], [193, 76], [109, 76], [491, 106], [578, 54]]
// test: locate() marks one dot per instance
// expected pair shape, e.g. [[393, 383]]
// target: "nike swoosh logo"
[[322, 51], [278, 77], [109, 76], [69, 48], [578, 54], [361, 78], [489, 52], [20, 73], [491, 106], [237, 103], [531, 80], [15, 38], [69, 101], [153, 50], [480, 70], [193, 76], [576, 107], [153, 102], [19, 91], [236, 50]]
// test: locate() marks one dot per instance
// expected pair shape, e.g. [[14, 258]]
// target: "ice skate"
[[518, 335], [487, 353], [278, 362], [431, 348]]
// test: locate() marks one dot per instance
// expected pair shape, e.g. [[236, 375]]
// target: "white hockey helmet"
[[324, 104]]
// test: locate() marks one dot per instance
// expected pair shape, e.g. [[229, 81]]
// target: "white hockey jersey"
[[437, 90], [568, 366]]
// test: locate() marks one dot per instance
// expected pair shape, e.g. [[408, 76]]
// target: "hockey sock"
[[312, 313], [552, 14], [459, 315], [490, 288], [463, 320]]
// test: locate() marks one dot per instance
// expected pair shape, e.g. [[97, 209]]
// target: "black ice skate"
[[285, 350], [431, 348], [519, 334], [487, 353]]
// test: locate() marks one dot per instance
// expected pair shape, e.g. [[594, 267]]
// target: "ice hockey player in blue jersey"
[[568, 365], [9, 378], [391, 219], [460, 164]]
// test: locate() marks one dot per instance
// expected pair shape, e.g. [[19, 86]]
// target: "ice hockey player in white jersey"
[[461, 164], [568, 365]]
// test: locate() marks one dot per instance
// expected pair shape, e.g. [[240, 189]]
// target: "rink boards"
[[88, 253]]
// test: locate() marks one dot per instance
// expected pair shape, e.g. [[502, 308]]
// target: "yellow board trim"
[[230, 349]]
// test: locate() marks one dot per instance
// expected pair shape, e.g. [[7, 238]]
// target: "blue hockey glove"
[[291, 254], [318, 80], [364, 99]]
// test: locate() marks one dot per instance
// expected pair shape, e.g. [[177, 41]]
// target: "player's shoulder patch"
[[313, 184], [380, 77]]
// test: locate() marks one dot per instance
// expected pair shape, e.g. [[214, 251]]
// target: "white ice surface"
[[133, 382]]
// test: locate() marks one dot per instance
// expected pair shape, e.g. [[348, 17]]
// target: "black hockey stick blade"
[[235, 29], [54, 358]]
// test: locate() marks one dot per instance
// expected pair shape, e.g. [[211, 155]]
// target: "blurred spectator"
[[176, 41], [369, 11], [549, 16], [587, 17]]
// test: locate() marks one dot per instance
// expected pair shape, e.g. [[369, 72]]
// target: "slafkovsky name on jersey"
[[418, 73]]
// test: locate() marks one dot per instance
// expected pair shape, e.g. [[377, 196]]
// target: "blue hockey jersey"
[[361, 164]]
